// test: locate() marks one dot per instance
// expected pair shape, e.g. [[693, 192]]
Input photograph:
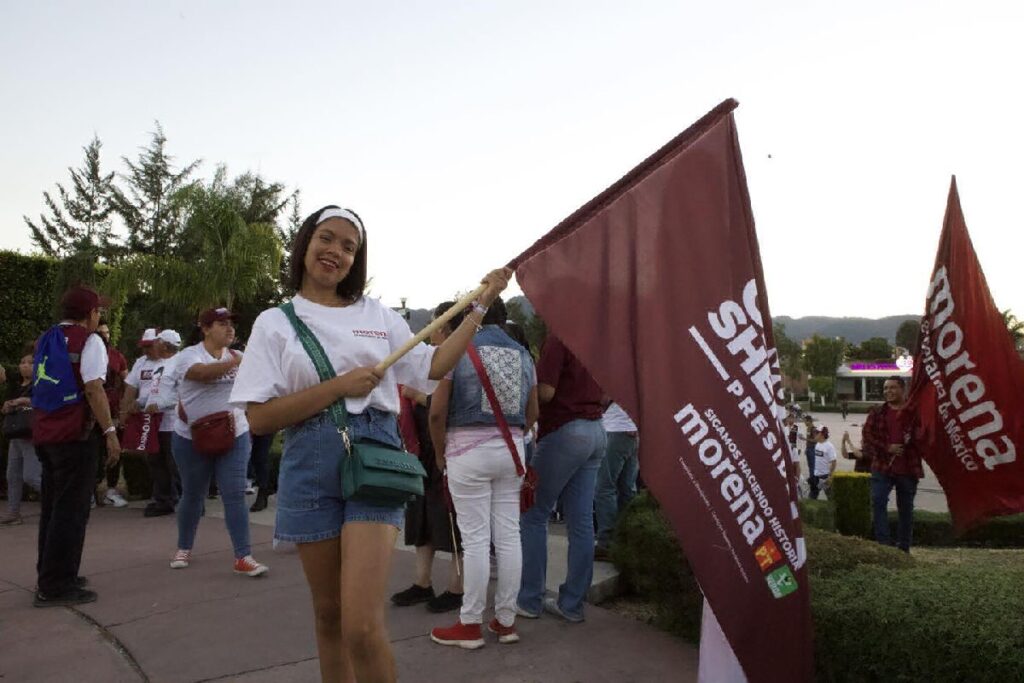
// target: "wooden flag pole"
[[437, 324]]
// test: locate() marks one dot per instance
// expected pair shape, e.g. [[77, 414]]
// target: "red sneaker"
[[506, 634], [466, 636], [250, 567]]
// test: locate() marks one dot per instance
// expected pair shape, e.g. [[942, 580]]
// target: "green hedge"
[[830, 554], [819, 514], [651, 564], [851, 498], [26, 301], [879, 614], [936, 529], [30, 297], [926, 623], [930, 528]]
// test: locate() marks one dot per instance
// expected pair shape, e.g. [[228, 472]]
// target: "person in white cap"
[[138, 385], [163, 399]]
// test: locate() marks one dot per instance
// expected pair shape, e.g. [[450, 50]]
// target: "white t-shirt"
[[204, 398], [141, 378], [163, 391], [615, 419], [824, 456], [94, 359], [359, 335]]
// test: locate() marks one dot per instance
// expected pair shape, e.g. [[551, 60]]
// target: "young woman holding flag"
[[345, 545]]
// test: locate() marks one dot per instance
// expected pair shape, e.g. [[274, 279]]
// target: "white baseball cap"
[[148, 337], [170, 337]]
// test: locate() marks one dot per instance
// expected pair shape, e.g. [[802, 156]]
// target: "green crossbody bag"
[[370, 472]]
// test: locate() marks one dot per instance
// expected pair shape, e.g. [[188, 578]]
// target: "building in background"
[[863, 380]]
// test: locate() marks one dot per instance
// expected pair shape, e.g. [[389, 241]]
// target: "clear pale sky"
[[463, 131]]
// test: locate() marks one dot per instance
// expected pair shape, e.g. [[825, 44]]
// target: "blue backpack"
[[53, 378]]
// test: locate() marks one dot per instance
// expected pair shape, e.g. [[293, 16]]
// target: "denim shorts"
[[309, 503]]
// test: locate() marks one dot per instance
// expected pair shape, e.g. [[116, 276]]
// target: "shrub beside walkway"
[[152, 623], [937, 614]]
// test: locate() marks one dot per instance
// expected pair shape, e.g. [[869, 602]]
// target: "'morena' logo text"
[[372, 334]]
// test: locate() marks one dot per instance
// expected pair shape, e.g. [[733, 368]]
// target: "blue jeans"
[[22, 468], [616, 483], [566, 462], [906, 488], [196, 470]]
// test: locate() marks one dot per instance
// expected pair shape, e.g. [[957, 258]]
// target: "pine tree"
[[80, 219], [148, 209]]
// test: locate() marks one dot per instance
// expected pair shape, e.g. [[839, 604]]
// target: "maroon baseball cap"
[[79, 301], [212, 315]]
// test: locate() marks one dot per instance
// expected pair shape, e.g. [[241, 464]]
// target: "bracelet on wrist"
[[478, 307]]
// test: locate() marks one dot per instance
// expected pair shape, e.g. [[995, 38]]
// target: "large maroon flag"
[[968, 385], [656, 286]]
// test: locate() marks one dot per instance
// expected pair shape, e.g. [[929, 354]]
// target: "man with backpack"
[[69, 367]]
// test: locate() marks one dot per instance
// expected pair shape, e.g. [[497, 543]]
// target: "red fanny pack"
[[528, 492], [212, 435]]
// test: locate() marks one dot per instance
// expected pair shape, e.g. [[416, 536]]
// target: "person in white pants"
[[482, 474]]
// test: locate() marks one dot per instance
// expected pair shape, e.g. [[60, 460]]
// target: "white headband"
[[347, 215]]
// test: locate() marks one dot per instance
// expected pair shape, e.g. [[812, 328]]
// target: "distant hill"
[[854, 330]]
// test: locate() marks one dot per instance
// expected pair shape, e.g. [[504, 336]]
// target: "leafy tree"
[[147, 208], [1015, 327], [823, 386], [221, 259], [288, 230], [516, 313], [79, 219], [907, 335], [822, 355], [876, 348], [789, 351]]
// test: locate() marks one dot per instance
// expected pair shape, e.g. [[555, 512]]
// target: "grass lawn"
[[969, 557]]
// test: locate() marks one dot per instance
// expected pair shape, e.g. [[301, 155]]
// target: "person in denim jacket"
[[482, 476]]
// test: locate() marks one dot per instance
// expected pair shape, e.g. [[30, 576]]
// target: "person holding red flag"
[[895, 463], [345, 545]]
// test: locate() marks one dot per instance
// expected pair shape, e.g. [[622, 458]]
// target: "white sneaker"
[[114, 498], [250, 487], [181, 559]]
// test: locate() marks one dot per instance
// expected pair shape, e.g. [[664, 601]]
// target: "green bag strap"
[[322, 364]]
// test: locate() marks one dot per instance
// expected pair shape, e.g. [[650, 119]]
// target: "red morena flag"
[[968, 384], [656, 286]]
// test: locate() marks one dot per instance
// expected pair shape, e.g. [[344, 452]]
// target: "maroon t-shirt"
[[577, 395]]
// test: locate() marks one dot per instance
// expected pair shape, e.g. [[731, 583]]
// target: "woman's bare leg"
[[321, 562], [366, 549]]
